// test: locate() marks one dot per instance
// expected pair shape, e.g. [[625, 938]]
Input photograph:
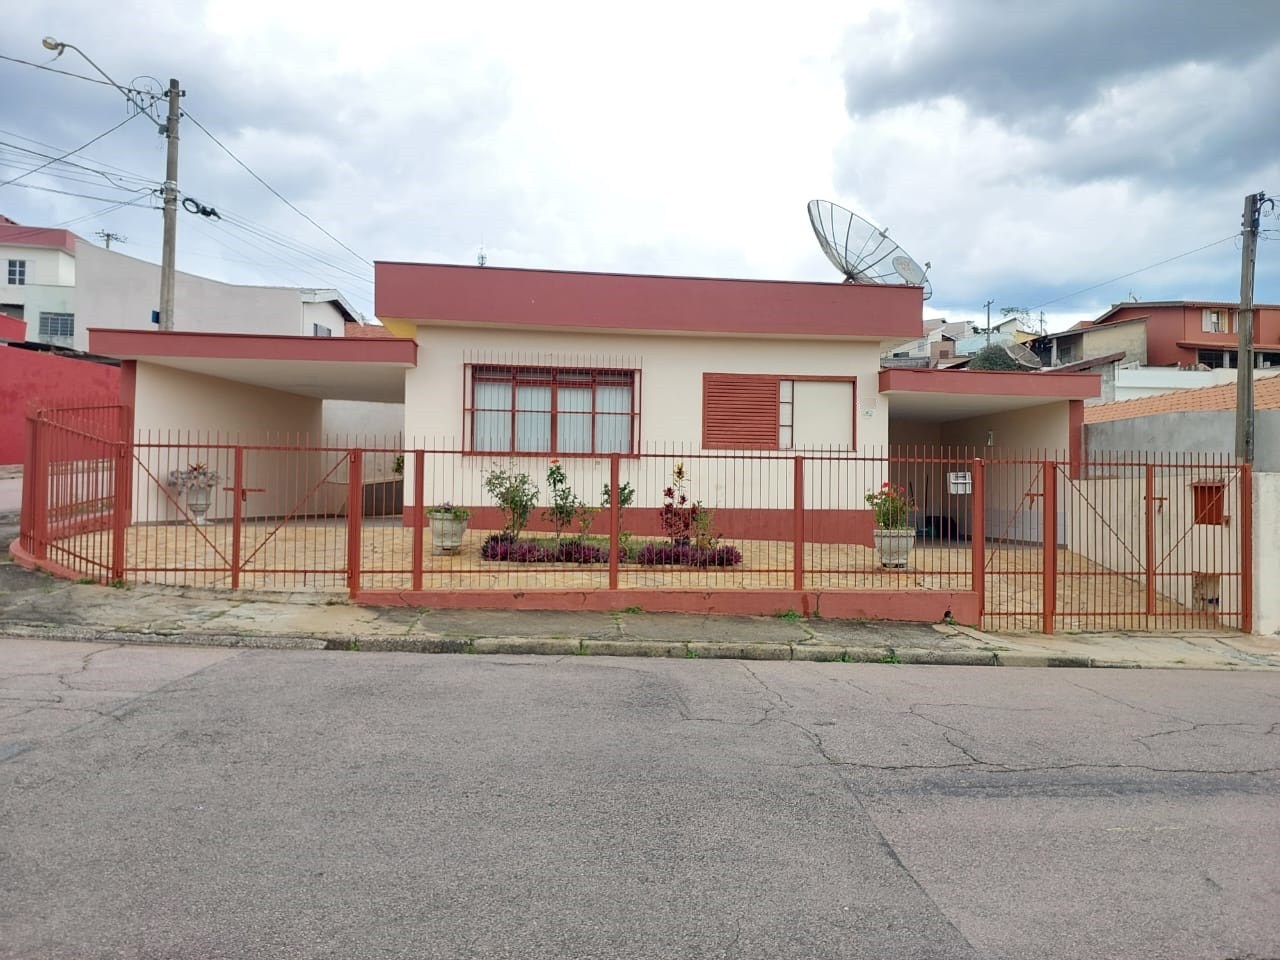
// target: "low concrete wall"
[[1266, 553], [1201, 431]]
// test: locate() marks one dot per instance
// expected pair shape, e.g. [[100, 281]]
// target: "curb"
[[803, 652]]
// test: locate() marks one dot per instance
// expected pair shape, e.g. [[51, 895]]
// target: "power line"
[[1134, 273], [70, 152], [77, 76], [70, 193], [100, 163], [276, 192], [26, 155]]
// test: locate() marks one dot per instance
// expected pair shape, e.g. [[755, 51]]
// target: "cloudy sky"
[[1031, 152]]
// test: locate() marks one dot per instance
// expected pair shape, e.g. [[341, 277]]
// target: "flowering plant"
[[196, 476], [892, 505], [449, 510]]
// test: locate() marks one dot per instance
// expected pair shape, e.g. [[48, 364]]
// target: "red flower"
[[669, 493]]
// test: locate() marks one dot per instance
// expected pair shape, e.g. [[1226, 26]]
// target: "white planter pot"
[[446, 533], [894, 546], [198, 500]]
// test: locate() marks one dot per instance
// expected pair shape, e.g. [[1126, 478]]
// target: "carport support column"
[[355, 507]]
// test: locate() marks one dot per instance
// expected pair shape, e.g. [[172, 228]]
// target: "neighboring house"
[[62, 285], [1174, 333], [937, 344], [1189, 421]]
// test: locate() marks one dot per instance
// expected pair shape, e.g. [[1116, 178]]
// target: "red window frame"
[[1209, 502], [553, 377]]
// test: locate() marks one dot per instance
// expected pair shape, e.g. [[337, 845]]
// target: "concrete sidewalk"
[[34, 604]]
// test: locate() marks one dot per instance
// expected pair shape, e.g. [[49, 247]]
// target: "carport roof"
[[941, 395], [329, 368]]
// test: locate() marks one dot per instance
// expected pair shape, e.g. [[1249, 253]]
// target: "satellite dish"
[[1020, 354], [862, 251]]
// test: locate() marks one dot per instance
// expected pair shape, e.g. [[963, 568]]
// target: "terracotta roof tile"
[[366, 330], [1266, 396]]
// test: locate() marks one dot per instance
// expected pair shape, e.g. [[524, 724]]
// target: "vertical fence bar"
[[797, 527], [237, 514], [615, 517], [1245, 512], [978, 534], [1049, 527], [355, 508], [418, 514]]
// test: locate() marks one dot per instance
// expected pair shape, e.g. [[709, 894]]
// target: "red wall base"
[[820, 526], [926, 606]]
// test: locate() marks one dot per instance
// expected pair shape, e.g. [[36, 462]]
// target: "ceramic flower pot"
[[446, 532], [198, 500], [893, 547]]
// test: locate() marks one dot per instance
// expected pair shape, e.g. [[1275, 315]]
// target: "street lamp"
[[170, 191]]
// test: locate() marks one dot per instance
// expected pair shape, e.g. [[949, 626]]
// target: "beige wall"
[[116, 291], [670, 409], [190, 415], [1113, 338]]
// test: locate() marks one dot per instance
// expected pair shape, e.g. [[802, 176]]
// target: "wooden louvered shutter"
[[739, 411]]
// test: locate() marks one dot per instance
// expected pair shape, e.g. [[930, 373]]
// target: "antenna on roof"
[[862, 251], [481, 257]]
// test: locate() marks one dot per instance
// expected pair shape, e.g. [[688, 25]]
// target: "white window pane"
[[574, 399], [573, 433], [613, 433], [610, 399], [822, 415], [784, 438], [493, 430], [493, 396], [784, 390], [533, 398], [784, 414], [533, 432]]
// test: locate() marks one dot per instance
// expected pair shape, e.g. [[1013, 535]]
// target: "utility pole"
[[107, 236], [988, 306], [168, 252], [1244, 356]]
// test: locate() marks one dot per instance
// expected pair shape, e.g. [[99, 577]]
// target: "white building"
[[62, 285]]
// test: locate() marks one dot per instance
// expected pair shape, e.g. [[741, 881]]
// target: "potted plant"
[[197, 482], [448, 524], [894, 535]]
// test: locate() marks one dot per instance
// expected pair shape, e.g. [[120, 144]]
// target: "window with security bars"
[[57, 326], [17, 272], [551, 410], [1209, 500]]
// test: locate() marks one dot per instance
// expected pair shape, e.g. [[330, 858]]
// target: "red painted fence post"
[[418, 514], [237, 515], [1049, 530], [1149, 542], [615, 517], [978, 535], [120, 504], [797, 530], [38, 479], [355, 509]]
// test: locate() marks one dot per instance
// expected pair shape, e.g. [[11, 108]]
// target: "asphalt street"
[[185, 802]]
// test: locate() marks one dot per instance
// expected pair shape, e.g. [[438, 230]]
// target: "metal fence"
[[1013, 541]]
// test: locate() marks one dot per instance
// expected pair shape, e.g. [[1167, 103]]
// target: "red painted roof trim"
[[142, 344], [993, 383], [501, 296], [18, 236]]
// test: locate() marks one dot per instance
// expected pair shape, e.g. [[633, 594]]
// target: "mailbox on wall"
[[960, 482]]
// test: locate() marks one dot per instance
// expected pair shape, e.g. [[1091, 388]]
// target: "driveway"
[[194, 802]]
